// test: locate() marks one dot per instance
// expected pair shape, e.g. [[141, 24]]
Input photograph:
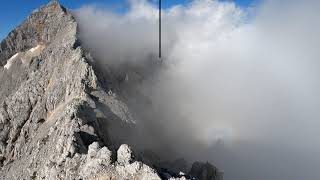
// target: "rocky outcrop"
[[205, 171], [55, 115], [44, 25]]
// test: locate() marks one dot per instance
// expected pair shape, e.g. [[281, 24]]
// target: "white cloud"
[[253, 82]]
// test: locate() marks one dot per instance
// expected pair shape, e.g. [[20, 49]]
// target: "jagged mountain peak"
[[56, 118], [42, 26]]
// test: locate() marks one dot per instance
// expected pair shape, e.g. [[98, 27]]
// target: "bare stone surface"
[[54, 113], [124, 155]]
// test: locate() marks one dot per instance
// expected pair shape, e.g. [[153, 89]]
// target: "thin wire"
[[160, 29]]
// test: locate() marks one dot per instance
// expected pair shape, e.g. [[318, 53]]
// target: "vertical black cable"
[[159, 28]]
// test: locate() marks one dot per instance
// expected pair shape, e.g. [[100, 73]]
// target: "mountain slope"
[[55, 115]]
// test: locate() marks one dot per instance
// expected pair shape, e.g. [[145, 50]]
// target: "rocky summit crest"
[[55, 114]]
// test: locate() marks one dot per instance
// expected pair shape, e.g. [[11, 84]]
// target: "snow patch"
[[33, 52], [34, 48], [25, 56], [10, 61]]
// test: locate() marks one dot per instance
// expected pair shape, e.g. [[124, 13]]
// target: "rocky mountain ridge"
[[55, 113]]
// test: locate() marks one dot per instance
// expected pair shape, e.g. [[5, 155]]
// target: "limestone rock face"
[[44, 25], [54, 113], [124, 155]]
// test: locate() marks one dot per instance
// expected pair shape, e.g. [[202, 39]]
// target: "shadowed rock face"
[[55, 115], [205, 171]]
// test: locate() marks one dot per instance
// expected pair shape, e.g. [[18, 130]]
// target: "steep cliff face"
[[55, 114]]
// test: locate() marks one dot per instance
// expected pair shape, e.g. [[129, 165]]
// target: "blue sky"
[[13, 12]]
